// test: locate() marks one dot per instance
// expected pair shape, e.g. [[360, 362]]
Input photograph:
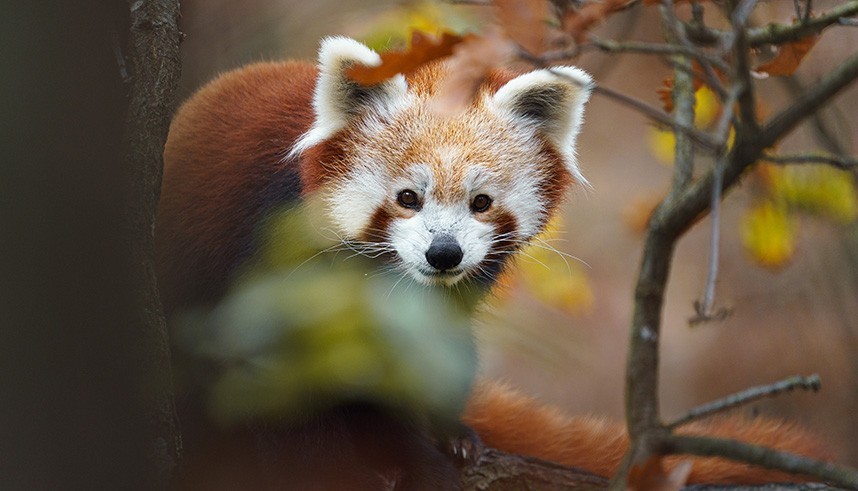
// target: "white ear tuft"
[[337, 99], [551, 100]]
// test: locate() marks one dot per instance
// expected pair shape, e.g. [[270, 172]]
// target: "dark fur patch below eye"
[[503, 243], [376, 230]]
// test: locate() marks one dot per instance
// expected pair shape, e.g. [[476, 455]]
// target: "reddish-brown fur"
[[231, 136], [516, 423], [235, 133]]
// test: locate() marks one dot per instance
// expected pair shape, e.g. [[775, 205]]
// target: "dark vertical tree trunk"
[[154, 64], [82, 347]]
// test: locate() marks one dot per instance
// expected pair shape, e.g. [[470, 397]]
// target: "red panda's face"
[[447, 197]]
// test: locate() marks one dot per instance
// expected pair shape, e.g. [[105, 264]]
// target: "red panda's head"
[[448, 197]]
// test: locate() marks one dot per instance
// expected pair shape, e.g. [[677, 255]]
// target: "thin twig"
[[809, 102], [810, 383], [824, 128], [743, 93], [838, 161], [762, 456], [742, 69], [703, 308], [777, 33], [676, 34], [638, 47], [656, 114], [683, 100]]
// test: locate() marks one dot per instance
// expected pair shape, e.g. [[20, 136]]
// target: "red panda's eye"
[[481, 203], [408, 199]]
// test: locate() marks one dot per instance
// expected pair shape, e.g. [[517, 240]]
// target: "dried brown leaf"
[[576, 22], [472, 61], [422, 50], [788, 58], [525, 22]]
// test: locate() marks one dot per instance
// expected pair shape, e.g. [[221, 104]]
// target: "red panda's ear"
[[552, 100], [337, 99]]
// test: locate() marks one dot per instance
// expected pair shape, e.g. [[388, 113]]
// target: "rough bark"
[[153, 55]]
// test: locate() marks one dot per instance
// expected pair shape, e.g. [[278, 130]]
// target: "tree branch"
[[746, 396], [671, 219], [775, 33], [808, 103], [499, 471], [656, 114], [766, 457]]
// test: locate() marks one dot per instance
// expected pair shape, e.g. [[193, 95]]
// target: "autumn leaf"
[[389, 28], [662, 140], [524, 21], [788, 58], [576, 22], [423, 49], [768, 234], [471, 62], [818, 189], [653, 475]]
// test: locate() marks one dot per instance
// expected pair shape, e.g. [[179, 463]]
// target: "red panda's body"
[[223, 155], [449, 198]]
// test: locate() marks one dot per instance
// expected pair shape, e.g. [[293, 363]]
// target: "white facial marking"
[[354, 200], [498, 144]]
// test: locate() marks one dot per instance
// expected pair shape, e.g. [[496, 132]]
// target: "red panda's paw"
[[465, 447]]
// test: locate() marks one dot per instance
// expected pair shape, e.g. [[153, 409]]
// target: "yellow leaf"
[[768, 233], [392, 27], [707, 107], [662, 144], [816, 189]]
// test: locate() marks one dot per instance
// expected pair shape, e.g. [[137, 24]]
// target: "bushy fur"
[[274, 133]]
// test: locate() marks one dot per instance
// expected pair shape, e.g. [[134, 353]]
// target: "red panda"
[[448, 199]]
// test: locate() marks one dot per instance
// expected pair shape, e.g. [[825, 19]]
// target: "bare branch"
[[838, 161], [742, 69], [656, 114], [703, 308], [766, 457], [501, 471], [613, 47], [683, 101], [676, 35], [778, 33], [810, 101], [746, 396], [784, 33], [670, 220]]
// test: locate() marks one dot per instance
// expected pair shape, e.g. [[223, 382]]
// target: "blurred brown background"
[[801, 319]]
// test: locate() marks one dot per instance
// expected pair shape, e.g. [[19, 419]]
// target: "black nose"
[[444, 252]]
